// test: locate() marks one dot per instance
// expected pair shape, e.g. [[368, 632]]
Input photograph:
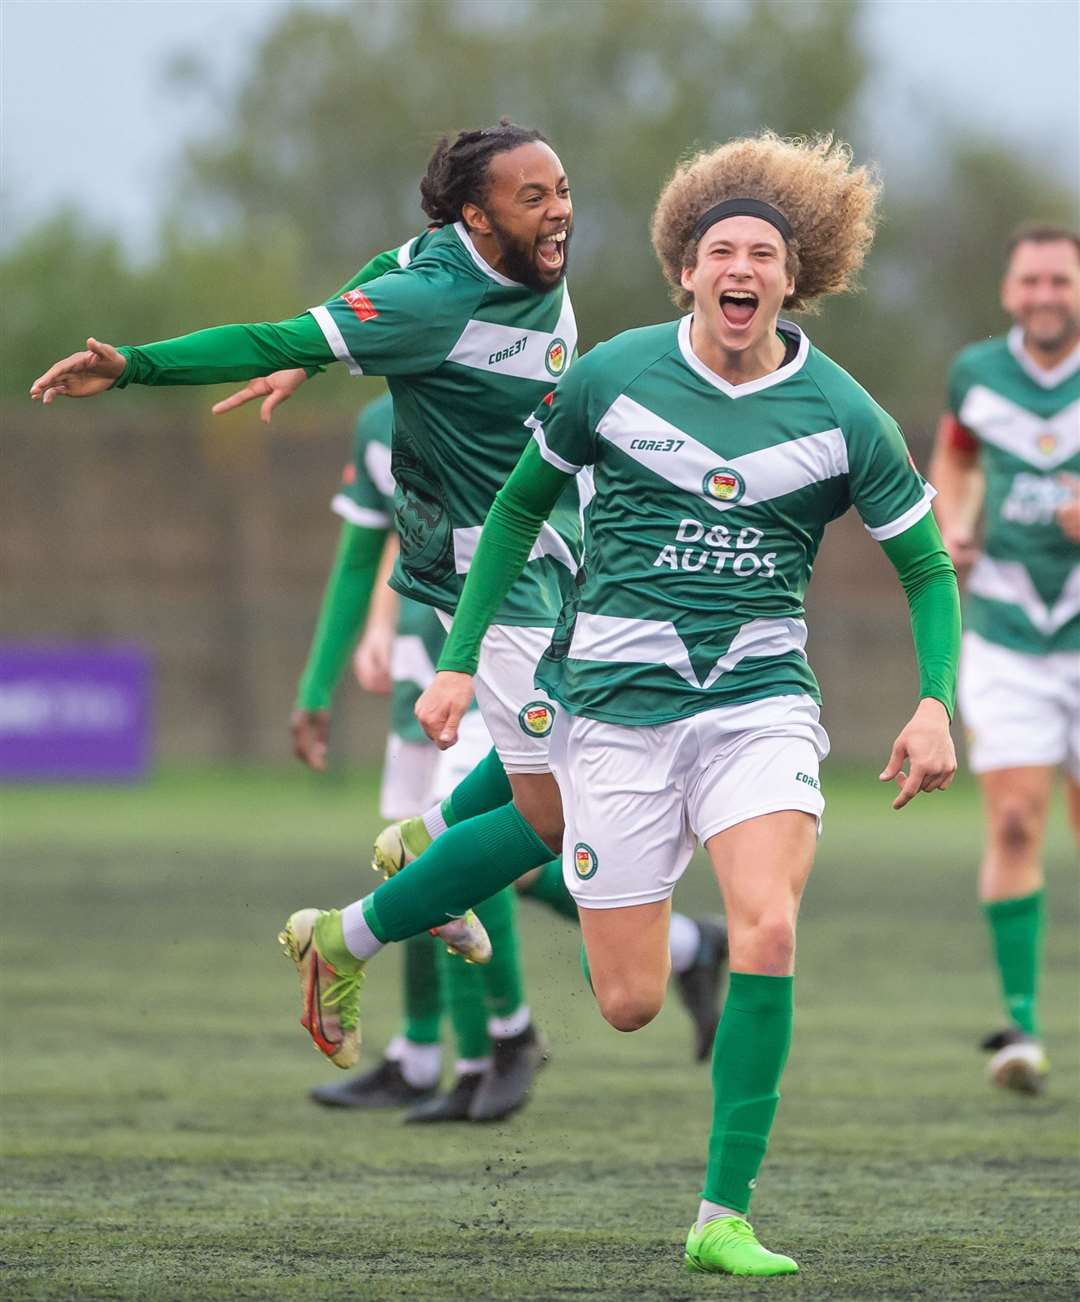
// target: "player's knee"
[[1016, 826], [629, 1009], [772, 942]]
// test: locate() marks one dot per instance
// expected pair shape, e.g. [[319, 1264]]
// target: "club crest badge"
[[723, 484], [555, 357], [536, 718], [585, 861], [1047, 443]]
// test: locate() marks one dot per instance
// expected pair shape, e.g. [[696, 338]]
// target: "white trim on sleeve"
[[333, 337], [552, 458], [883, 532]]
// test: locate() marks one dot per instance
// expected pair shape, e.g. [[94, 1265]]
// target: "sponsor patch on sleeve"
[[360, 304]]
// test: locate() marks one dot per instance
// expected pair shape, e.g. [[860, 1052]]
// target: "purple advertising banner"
[[74, 712]]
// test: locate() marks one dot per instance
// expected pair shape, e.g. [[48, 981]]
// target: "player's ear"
[[686, 278], [475, 219]]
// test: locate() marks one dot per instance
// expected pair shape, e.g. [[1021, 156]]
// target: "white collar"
[[750, 386], [1046, 379], [482, 262]]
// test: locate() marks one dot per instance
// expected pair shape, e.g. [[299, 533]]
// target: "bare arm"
[[958, 478], [372, 659]]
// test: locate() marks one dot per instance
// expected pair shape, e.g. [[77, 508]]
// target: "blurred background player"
[[1009, 447], [499, 1050]]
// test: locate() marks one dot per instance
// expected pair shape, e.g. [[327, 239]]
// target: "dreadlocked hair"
[[457, 172], [829, 203]]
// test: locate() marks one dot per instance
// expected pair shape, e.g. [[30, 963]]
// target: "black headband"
[[742, 208]]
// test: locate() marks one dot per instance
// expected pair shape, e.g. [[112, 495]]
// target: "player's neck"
[[737, 366], [1047, 358]]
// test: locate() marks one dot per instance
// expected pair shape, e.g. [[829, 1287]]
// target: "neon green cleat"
[[398, 845], [330, 980], [729, 1246]]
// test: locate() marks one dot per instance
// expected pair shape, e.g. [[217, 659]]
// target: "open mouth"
[[738, 306], [550, 251]]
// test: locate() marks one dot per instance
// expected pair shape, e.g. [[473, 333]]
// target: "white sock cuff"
[[421, 1064], [708, 1211], [471, 1066], [434, 821], [502, 1028], [360, 940], [395, 1050], [684, 941]]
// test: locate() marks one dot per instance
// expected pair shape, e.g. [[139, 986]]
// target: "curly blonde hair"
[[829, 204]]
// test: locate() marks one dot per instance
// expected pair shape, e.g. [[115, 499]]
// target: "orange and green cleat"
[[330, 979]]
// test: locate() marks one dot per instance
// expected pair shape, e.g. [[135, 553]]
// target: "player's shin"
[[749, 1054]]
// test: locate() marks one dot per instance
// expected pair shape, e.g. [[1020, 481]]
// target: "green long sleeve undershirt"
[[528, 496], [228, 352], [341, 615]]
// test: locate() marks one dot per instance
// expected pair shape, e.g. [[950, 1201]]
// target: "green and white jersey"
[[710, 503], [1024, 591], [366, 498], [467, 354]]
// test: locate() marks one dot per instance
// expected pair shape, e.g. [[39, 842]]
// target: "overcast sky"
[[84, 113]]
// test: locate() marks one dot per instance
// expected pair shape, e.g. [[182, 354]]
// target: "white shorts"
[[637, 799], [417, 775], [1019, 710], [518, 715]]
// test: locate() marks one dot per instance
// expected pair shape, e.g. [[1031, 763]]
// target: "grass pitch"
[[158, 1142]]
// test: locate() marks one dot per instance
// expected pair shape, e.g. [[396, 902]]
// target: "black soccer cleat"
[[383, 1086], [701, 984], [506, 1083], [452, 1106]]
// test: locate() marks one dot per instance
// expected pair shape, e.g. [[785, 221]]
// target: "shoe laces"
[[344, 993], [734, 1227]]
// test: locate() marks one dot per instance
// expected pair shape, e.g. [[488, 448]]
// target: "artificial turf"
[[158, 1142]]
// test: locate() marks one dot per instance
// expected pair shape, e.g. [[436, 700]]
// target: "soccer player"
[[470, 335], [397, 653], [1014, 423], [721, 444]]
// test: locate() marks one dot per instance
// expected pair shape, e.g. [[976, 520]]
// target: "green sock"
[[751, 1048], [550, 889], [585, 969], [503, 983], [479, 792], [423, 996], [468, 1009], [1016, 929], [464, 866]]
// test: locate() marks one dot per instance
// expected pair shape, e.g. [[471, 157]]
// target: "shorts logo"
[[555, 357], [723, 483], [810, 781], [360, 303], [536, 718], [585, 861]]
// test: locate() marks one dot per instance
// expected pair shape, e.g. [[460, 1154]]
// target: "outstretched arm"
[[520, 508], [929, 581], [230, 352]]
